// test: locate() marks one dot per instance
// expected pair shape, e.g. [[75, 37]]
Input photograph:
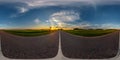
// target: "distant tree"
[[90, 29], [99, 29], [76, 29], [60, 29], [50, 28]]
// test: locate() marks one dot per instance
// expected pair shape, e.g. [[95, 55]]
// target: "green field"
[[90, 32], [28, 32]]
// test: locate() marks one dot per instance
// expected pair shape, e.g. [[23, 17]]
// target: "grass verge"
[[29, 32], [90, 32]]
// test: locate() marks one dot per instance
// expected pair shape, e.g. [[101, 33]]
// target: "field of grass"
[[90, 32], [28, 32]]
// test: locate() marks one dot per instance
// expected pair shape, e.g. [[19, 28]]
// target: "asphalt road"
[[45, 46], [80, 47], [59, 46]]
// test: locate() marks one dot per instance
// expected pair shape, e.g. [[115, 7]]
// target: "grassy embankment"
[[29, 32], [90, 32]]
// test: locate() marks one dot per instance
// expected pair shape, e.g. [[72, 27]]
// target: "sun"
[[53, 28]]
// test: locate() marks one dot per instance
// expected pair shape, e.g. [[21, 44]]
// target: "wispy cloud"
[[56, 2], [42, 3], [39, 3], [63, 17], [22, 9]]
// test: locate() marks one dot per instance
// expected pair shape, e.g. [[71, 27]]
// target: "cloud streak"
[[56, 2], [30, 4]]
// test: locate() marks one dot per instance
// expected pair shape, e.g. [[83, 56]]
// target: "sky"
[[42, 14]]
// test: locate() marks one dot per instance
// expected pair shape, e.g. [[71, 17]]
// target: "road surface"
[[99, 47], [64, 40], [45, 46]]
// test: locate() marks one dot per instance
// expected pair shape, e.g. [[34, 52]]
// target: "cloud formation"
[[64, 17], [22, 9], [42, 3], [86, 25], [56, 2], [109, 26], [37, 21]]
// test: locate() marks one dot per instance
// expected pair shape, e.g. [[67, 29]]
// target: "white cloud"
[[39, 3], [110, 26], [30, 4], [104, 26], [101, 26], [37, 21], [42, 3], [84, 25], [47, 21], [22, 9], [63, 17], [87, 25], [56, 2]]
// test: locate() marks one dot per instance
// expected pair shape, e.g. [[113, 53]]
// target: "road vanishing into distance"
[[59, 46]]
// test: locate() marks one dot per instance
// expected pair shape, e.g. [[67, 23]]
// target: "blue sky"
[[38, 14]]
